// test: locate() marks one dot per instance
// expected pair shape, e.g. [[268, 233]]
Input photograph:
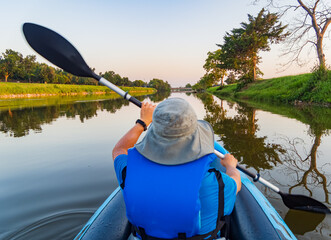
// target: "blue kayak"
[[253, 217]]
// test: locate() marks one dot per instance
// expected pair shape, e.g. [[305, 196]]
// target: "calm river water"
[[56, 167]]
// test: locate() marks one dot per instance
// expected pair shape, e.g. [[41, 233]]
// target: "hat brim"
[[174, 151]]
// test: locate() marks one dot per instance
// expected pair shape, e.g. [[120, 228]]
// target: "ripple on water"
[[70, 222]]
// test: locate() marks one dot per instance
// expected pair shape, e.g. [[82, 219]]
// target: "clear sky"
[[141, 39]]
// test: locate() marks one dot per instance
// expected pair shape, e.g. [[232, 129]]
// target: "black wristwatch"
[[142, 123]]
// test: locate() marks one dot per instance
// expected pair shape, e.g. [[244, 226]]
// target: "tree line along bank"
[[15, 67], [238, 55]]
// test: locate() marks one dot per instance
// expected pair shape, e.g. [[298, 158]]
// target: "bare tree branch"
[[308, 28]]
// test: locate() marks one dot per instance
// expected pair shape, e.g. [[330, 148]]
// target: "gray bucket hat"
[[176, 136]]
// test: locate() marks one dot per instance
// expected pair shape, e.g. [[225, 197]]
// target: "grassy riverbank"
[[25, 90], [289, 89]]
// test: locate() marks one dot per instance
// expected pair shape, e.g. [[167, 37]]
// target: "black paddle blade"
[[300, 202], [56, 49]]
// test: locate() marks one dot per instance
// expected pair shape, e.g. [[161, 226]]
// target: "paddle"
[[292, 201], [63, 54]]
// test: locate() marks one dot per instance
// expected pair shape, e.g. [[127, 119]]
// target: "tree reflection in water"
[[299, 169], [159, 96], [238, 134], [301, 163], [305, 168], [302, 166], [18, 122]]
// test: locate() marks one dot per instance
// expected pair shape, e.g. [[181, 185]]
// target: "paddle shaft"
[[116, 89], [255, 177]]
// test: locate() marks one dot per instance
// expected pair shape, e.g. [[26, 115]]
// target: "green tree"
[[139, 83], [188, 85], [62, 77], [213, 67], [29, 63], [116, 79], [108, 75], [205, 82], [10, 63], [126, 82], [159, 84], [241, 47], [47, 73], [1, 70], [231, 78]]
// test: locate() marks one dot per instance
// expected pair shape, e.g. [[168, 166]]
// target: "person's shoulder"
[[120, 162], [121, 157]]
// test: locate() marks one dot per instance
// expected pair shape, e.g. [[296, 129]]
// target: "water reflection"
[[292, 163], [306, 163], [301, 222], [238, 134], [300, 161], [17, 122], [160, 96], [62, 161], [319, 121]]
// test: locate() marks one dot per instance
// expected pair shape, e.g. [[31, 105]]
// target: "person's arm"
[[132, 136], [230, 163]]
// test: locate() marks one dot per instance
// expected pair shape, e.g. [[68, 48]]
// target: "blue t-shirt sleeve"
[[119, 164], [230, 191], [209, 200]]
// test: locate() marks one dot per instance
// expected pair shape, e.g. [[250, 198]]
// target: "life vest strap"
[[181, 236], [123, 177]]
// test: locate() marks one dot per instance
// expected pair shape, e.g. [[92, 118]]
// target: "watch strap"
[[142, 123]]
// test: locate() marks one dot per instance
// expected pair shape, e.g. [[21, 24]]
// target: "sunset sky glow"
[[140, 39]]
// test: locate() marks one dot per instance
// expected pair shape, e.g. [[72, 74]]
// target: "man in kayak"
[[169, 187]]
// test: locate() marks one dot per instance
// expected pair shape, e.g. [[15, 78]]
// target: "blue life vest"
[[162, 201]]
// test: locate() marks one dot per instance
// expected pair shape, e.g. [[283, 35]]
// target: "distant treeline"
[[15, 67]]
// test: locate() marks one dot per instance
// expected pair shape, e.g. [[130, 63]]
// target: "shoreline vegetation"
[[9, 90], [300, 89], [24, 77]]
